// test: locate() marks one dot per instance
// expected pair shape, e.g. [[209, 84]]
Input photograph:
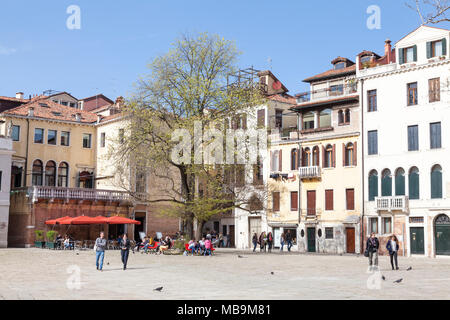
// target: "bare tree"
[[430, 11]]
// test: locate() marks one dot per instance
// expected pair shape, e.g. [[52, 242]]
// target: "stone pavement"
[[43, 274]]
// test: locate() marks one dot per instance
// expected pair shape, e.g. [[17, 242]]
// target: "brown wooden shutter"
[[350, 193], [437, 89], [323, 157], [303, 157], [431, 90], [355, 154], [261, 118], [271, 160], [328, 199], [334, 156], [280, 160], [294, 201], [343, 154], [276, 201]]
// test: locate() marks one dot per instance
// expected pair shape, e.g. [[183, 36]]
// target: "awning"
[[85, 220], [56, 221], [121, 220]]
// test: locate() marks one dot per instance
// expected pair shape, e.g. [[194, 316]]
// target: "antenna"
[[269, 60]]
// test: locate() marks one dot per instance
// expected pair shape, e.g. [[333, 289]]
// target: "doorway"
[[311, 238], [254, 226], [231, 235], [139, 216], [442, 235], [416, 236], [350, 237]]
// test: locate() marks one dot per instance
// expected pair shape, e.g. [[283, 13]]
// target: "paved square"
[[43, 274]]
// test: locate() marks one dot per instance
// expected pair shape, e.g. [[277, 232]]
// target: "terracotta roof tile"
[[331, 74], [283, 98], [14, 99]]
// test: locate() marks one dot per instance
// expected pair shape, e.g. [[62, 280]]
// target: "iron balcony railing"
[[309, 172], [392, 203]]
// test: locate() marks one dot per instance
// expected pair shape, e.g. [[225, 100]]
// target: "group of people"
[[202, 247], [373, 245], [101, 246], [161, 244], [266, 241], [65, 242]]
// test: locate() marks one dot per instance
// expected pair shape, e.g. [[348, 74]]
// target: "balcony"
[[309, 172], [43, 192], [283, 134], [331, 92], [400, 203]]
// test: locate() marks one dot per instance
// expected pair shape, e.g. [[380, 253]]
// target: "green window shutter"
[[401, 56], [386, 187], [400, 185], [415, 52], [428, 50], [373, 187], [414, 185], [444, 46], [436, 184]]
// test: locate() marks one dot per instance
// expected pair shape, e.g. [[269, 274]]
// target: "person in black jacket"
[[289, 240], [372, 246], [255, 241], [392, 246], [124, 250]]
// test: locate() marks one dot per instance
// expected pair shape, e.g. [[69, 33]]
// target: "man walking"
[[124, 250], [289, 240], [100, 246], [372, 246]]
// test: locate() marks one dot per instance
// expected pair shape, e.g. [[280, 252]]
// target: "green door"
[[311, 239], [442, 235], [417, 240]]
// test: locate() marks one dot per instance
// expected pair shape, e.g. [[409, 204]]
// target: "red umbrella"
[[56, 221], [83, 220], [100, 220], [121, 220]]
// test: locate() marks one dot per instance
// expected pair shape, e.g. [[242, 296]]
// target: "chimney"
[[119, 101], [78, 116], [388, 50], [31, 111], [19, 95], [99, 118]]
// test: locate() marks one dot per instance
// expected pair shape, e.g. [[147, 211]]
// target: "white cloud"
[[6, 51]]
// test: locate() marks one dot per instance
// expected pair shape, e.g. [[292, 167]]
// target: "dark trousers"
[[254, 245], [393, 256], [124, 255], [269, 243]]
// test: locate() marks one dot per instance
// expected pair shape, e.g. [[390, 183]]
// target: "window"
[[341, 117], [72, 104], [349, 155], [121, 135], [366, 59], [275, 201], [261, 118], [436, 48], [65, 138], [434, 89], [337, 90], [339, 65], [38, 135], [412, 93], [436, 182], [16, 176], [308, 121], [64, 103], [50, 174], [407, 55], [413, 138], [373, 223], [102, 140], [86, 140], [347, 116], [258, 173], [372, 100], [141, 181], [294, 159], [1, 173], [400, 182], [329, 205], [325, 118], [51, 137], [435, 135], [86, 179], [278, 118], [328, 160], [63, 171], [329, 233], [316, 156], [306, 158], [350, 197], [276, 160], [15, 134], [294, 201], [372, 139], [37, 171], [373, 185], [413, 184], [386, 183], [387, 225]]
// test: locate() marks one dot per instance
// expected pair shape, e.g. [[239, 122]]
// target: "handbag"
[[366, 252]]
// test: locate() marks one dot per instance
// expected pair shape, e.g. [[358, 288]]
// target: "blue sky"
[[118, 39]]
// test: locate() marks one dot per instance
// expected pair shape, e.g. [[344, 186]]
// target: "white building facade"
[[5, 184]]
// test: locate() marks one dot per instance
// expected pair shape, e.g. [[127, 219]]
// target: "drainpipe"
[[299, 179], [362, 166]]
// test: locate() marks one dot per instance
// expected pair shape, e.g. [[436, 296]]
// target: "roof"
[[285, 98], [423, 26], [332, 73], [98, 95], [102, 108], [14, 99], [320, 103], [60, 93], [45, 108], [268, 72]]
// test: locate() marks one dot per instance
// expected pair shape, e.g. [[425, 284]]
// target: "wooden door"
[[416, 238], [311, 234], [311, 203], [350, 240], [231, 235], [254, 226]]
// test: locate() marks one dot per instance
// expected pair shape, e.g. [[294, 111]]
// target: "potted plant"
[[39, 242], [51, 236]]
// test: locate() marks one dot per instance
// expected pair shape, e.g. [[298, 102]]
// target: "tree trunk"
[[198, 229]]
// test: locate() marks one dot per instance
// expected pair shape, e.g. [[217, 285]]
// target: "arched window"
[[373, 185], [141, 180], [386, 183], [306, 161], [325, 118], [328, 156], [347, 116], [400, 182], [37, 172], [63, 171], [294, 159], [413, 183], [349, 155], [436, 182], [50, 174], [316, 156], [340, 117]]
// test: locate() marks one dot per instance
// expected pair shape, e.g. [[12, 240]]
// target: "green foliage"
[[39, 235], [179, 244], [51, 235]]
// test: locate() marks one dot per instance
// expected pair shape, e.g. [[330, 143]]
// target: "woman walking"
[[262, 241], [269, 241], [255, 241], [282, 242], [392, 246], [124, 250]]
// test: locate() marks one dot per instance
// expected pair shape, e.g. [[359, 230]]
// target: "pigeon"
[[133, 252], [107, 263], [239, 256], [399, 280], [382, 277], [158, 289], [78, 254], [272, 272], [410, 268]]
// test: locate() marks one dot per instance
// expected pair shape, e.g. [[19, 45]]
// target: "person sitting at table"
[[192, 245], [67, 243], [165, 244]]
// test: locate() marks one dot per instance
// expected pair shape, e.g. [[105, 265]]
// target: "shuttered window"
[[373, 185], [413, 184], [412, 94], [261, 118], [294, 201], [329, 200], [276, 201], [413, 138], [435, 135], [434, 89], [372, 100], [386, 183], [400, 182], [436, 182], [350, 196], [436, 48], [372, 142]]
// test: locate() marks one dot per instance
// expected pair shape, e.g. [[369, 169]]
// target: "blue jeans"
[[255, 243], [282, 245], [99, 255], [289, 245], [207, 251]]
